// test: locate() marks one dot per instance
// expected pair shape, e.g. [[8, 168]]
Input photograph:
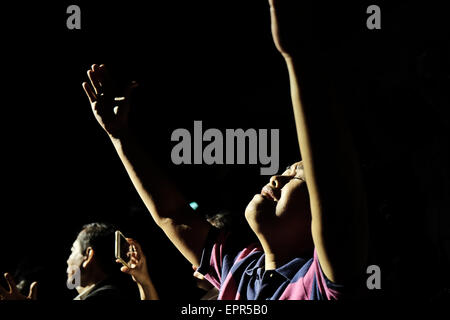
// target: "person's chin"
[[259, 211]]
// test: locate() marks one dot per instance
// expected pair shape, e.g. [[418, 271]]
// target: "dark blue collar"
[[288, 270]]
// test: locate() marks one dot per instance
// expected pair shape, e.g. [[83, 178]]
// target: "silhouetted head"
[[93, 253]]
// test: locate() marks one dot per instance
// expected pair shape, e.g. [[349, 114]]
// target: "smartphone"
[[122, 248]]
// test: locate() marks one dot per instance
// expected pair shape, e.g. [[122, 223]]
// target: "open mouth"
[[268, 193]]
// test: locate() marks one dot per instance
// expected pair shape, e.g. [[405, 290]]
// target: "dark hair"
[[100, 237], [221, 220]]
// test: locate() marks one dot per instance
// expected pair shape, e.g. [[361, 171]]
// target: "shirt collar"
[[288, 270], [254, 266], [85, 292]]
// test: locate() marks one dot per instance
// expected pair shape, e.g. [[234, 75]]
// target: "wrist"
[[146, 291], [144, 283], [119, 137]]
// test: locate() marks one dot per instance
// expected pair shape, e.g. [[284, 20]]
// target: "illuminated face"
[[282, 206], [75, 260]]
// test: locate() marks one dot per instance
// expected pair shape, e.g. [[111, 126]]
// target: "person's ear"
[[89, 257]]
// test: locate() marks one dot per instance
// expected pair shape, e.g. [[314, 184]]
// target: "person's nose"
[[274, 181], [278, 181]]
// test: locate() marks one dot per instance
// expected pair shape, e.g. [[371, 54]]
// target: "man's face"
[[282, 205], [75, 260]]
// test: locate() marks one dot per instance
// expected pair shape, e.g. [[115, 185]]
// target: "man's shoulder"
[[105, 291]]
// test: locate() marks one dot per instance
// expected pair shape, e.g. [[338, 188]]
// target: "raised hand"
[[139, 272], [137, 262], [110, 110], [14, 293]]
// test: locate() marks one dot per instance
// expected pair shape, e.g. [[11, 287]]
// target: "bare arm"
[[167, 206], [331, 165], [169, 209]]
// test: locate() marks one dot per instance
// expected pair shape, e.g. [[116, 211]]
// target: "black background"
[[215, 61]]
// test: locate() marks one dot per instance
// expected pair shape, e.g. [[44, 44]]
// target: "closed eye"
[[290, 171]]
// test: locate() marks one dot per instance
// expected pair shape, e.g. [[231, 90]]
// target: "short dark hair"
[[221, 220], [100, 237]]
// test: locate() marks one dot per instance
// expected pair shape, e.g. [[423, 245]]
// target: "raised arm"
[[331, 166], [169, 209]]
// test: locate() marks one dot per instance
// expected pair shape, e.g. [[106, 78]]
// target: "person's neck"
[[274, 260], [277, 255], [89, 283]]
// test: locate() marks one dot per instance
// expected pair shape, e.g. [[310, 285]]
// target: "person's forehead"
[[76, 244], [296, 169], [298, 164]]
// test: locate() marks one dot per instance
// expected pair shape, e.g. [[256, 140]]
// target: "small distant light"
[[194, 205]]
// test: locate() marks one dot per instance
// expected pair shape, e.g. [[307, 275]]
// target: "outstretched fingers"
[[105, 79], [95, 87], [11, 282], [33, 291], [89, 92], [94, 82]]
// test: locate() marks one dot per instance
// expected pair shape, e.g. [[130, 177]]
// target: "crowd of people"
[[309, 221]]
